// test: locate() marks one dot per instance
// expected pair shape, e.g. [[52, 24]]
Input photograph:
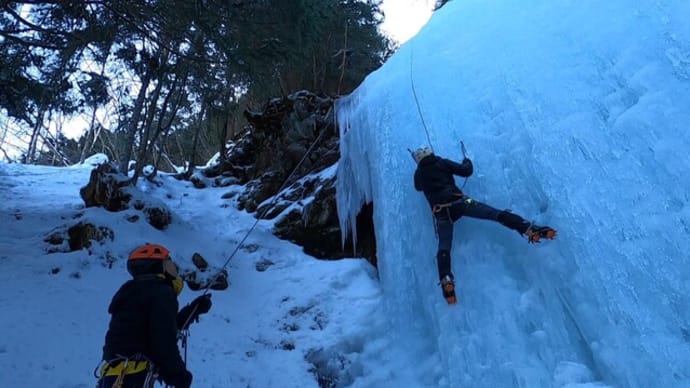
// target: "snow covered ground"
[[574, 113], [281, 305]]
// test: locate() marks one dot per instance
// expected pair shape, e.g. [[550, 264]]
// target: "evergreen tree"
[[173, 69]]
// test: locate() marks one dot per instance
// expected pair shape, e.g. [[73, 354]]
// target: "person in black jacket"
[[434, 177], [141, 342]]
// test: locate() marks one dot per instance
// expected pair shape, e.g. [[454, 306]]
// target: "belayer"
[[434, 177], [141, 342]]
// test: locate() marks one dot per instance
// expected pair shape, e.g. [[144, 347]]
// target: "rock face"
[[293, 142]]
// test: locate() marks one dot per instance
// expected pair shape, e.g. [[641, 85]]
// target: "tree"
[[166, 69], [41, 52]]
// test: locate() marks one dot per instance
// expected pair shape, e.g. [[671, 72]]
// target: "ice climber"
[[434, 177], [141, 342]]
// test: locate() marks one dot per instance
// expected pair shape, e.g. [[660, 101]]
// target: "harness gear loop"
[[184, 334], [122, 366], [121, 376], [440, 206]]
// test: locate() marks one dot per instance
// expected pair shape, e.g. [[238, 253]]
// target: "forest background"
[[168, 82]]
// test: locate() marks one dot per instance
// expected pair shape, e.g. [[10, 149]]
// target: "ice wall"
[[575, 114]]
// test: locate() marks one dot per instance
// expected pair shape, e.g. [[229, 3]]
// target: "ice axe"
[[411, 154], [464, 156]]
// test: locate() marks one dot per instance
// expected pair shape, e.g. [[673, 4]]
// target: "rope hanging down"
[[185, 333], [421, 116], [416, 100]]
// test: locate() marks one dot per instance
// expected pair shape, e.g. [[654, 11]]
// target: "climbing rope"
[[416, 100], [274, 200], [185, 333], [421, 116]]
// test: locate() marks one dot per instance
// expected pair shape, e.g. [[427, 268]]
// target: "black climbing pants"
[[468, 207]]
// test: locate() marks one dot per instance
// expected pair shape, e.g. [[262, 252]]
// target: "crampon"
[[448, 288], [535, 233]]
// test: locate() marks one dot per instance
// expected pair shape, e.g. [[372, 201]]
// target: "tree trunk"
[[90, 140], [33, 141], [173, 100], [128, 145], [192, 164], [344, 62], [147, 129]]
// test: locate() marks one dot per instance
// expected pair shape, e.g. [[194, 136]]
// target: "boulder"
[[205, 276], [109, 189], [105, 189]]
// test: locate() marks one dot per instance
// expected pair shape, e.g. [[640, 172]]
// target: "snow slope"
[[281, 323]]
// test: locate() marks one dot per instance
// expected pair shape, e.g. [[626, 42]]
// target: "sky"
[[404, 18], [573, 116]]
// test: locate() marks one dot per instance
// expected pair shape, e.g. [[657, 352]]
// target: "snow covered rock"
[[113, 191]]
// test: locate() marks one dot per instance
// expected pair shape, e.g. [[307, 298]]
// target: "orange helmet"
[[154, 259], [148, 259], [150, 252]]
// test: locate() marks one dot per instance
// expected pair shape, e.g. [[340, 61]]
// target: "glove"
[[182, 379], [467, 165], [191, 312], [202, 304], [186, 380]]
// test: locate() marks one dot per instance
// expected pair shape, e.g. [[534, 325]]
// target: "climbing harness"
[[122, 366], [461, 198], [436, 209]]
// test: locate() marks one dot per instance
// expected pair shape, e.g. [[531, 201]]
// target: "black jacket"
[[434, 177], [144, 321]]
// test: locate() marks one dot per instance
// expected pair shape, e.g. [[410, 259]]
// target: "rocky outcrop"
[[84, 235], [109, 189], [286, 161], [76, 237], [105, 189], [314, 225], [205, 276]]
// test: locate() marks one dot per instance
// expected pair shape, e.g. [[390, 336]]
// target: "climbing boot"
[[448, 289], [535, 233]]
